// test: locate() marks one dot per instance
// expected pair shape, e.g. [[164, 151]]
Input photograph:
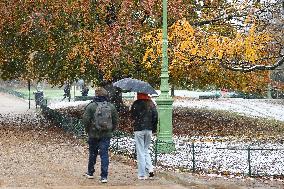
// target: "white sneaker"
[[89, 176], [142, 178], [103, 180]]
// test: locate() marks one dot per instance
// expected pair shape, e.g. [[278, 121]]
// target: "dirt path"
[[33, 154], [49, 157]]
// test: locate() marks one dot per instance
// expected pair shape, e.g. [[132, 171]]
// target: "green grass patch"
[[49, 93]]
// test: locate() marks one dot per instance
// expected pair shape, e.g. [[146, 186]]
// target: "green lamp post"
[[165, 142]]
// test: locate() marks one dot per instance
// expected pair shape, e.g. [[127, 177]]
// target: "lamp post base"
[[164, 147], [165, 142]]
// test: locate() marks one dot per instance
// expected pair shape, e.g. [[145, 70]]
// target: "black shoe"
[[151, 175]]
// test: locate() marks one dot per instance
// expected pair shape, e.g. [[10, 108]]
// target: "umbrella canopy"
[[135, 85]]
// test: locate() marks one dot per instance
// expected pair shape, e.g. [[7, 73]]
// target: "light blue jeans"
[[142, 142]]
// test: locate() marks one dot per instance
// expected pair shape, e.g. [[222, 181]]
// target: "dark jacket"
[[88, 116], [144, 114]]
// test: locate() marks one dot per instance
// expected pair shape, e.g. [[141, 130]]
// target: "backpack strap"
[[88, 105], [93, 102]]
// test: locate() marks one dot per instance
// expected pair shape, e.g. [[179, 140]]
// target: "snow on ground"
[[249, 107], [227, 156], [64, 104], [231, 157]]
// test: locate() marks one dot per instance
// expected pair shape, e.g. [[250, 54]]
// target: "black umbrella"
[[135, 85]]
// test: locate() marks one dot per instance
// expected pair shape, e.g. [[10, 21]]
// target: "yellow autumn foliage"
[[195, 56]]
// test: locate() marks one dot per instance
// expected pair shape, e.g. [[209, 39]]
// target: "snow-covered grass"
[[230, 157], [261, 108], [227, 156]]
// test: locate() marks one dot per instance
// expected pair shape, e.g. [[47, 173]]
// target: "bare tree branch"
[[227, 16], [220, 18], [244, 67]]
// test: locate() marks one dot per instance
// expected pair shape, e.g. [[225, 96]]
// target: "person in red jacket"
[[145, 116]]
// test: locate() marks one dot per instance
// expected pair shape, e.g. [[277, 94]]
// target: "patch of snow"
[[64, 104], [249, 107]]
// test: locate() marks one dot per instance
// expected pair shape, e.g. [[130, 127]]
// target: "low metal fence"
[[249, 152], [194, 160]]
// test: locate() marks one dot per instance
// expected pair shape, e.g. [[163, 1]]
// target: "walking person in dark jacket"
[[67, 92], [145, 116], [99, 138]]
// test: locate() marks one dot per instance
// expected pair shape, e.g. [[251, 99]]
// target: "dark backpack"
[[103, 118]]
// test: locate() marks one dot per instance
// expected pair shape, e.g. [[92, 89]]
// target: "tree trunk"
[[173, 91], [115, 96], [269, 96]]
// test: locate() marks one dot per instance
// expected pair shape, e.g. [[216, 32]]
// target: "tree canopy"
[[98, 40]]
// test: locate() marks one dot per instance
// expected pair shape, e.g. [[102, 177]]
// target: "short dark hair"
[[100, 91]]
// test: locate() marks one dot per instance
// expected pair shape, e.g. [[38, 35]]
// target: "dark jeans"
[[98, 146]]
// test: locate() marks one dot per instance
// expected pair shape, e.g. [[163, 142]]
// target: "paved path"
[[10, 104]]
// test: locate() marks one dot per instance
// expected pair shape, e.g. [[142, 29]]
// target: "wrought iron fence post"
[[29, 88], [193, 157], [116, 146], [249, 161], [156, 152]]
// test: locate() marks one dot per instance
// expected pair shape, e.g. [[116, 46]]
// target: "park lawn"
[[55, 93], [49, 93]]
